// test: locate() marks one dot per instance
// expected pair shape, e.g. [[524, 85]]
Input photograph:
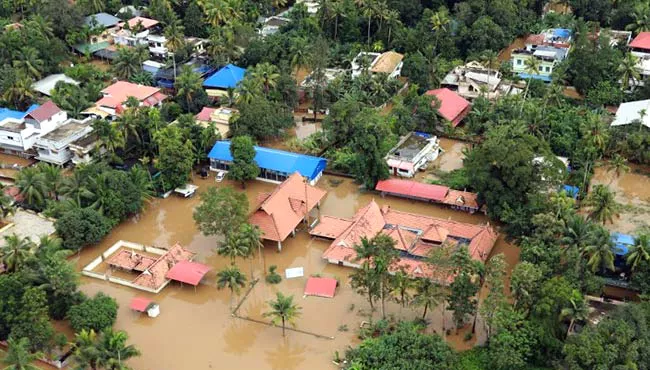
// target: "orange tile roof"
[[156, 275], [279, 213], [130, 260], [330, 227], [412, 233], [146, 22], [461, 198]]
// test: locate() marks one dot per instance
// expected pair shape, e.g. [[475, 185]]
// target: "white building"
[[54, 147], [634, 112], [19, 131], [640, 48], [412, 153], [157, 45], [473, 80], [83, 148], [389, 63], [312, 6], [272, 25], [134, 32]]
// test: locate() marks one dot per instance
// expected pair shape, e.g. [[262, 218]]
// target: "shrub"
[[273, 277], [82, 227], [97, 313]]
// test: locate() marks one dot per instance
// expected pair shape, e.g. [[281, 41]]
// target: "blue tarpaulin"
[[562, 33], [622, 242], [526, 76], [571, 191], [227, 77], [275, 160], [9, 113]]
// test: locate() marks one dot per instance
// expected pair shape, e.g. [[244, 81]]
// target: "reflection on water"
[[195, 329]]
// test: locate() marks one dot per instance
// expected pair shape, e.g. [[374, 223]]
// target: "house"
[[389, 63], [101, 21], [152, 67], [453, 107], [134, 32], [275, 165], [312, 6], [54, 147], [329, 75], [226, 78], [219, 116], [166, 77], [272, 25], [412, 153], [19, 131], [415, 236], [640, 48], [456, 199], [46, 85], [277, 214], [473, 80], [115, 95], [634, 112], [157, 46], [83, 148], [549, 48]]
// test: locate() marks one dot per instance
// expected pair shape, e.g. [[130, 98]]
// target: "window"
[[10, 137], [541, 69], [548, 69], [518, 62]]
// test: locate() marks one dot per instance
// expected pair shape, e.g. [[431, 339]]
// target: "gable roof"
[[205, 113], [413, 189], [280, 212], [275, 160], [10, 113], [47, 84], [103, 20], [630, 112], [453, 107], [387, 62], [641, 41], [44, 112], [227, 77], [146, 22]]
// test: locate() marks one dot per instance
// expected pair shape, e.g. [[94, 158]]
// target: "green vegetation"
[[97, 313], [283, 310]]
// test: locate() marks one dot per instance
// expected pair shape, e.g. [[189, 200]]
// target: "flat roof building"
[[411, 153]]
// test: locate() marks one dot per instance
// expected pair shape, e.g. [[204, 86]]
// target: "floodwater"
[[518, 43], [195, 329], [633, 192], [451, 158], [10, 160], [306, 129]]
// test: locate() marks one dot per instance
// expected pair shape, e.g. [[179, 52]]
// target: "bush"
[[82, 227], [273, 277], [97, 313]]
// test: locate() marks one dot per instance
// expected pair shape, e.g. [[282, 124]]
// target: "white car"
[[220, 176]]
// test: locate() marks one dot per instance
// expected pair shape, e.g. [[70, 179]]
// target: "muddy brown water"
[[195, 329]]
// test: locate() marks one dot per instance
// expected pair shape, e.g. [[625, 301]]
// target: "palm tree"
[[299, 51], [174, 34], [19, 92], [31, 182], [76, 187], [392, 20], [127, 123], [234, 246], [599, 252], [618, 165], [602, 204], [337, 11], [247, 91], [251, 237], [109, 136], [641, 17], [439, 22], [642, 114], [27, 59], [578, 310], [628, 71], [16, 251], [232, 278], [368, 11], [216, 11], [142, 78], [490, 60], [401, 285], [283, 310], [18, 356], [141, 179], [6, 204], [427, 294], [127, 63], [266, 75], [53, 178], [532, 68], [187, 85], [114, 350], [85, 349], [96, 6], [639, 252], [577, 233]]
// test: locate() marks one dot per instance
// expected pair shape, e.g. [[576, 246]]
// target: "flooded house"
[[473, 80], [549, 48], [54, 147], [389, 63], [279, 213], [19, 131], [412, 153], [272, 25], [415, 236], [456, 199], [633, 112], [451, 106], [275, 165]]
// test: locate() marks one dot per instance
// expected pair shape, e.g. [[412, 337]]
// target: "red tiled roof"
[[413, 189], [140, 304], [130, 260], [205, 114], [146, 22], [278, 214], [330, 227], [320, 287], [535, 39], [154, 99], [188, 272], [641, 41], [461, 199], [415, 234], [453, 107], [120, 91], [44, 112], [156, 274]]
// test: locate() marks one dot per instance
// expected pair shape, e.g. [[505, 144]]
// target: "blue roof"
[[562, 32], [275, 160], [9, 113], [103, 20], [622, 242], [227, 77], [526, 76], [571, 191]]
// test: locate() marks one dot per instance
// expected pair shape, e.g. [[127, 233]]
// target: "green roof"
[[91, 48]]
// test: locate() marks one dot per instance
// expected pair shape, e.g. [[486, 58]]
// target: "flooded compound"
[[195, 329], [451, 158], [632, 192]]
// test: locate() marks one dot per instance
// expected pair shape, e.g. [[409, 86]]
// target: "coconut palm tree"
[[490, 60], [439, 22], [247, 91], [6, 204], [427, 294], [31, 183], [618, 165], [532, 68], [599, 251], [337, 11], [127, 123], [602, 204], [639, 252], [188, 84], [85, 349], [641, 16], [578, 310], [299, 51], [251, 237], [401, 286], [16, 251], [628, 71], [266, 75], [109, 136], [234, 246], [19, 92], [577, 234], [283, 310], [53, 179], [174, 34], [392, 20], [76, 187], [96, 6], [127, 63], [18, 356], [216, 11], [114, 351], [232, 278], [141, 179], [28, 60]]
